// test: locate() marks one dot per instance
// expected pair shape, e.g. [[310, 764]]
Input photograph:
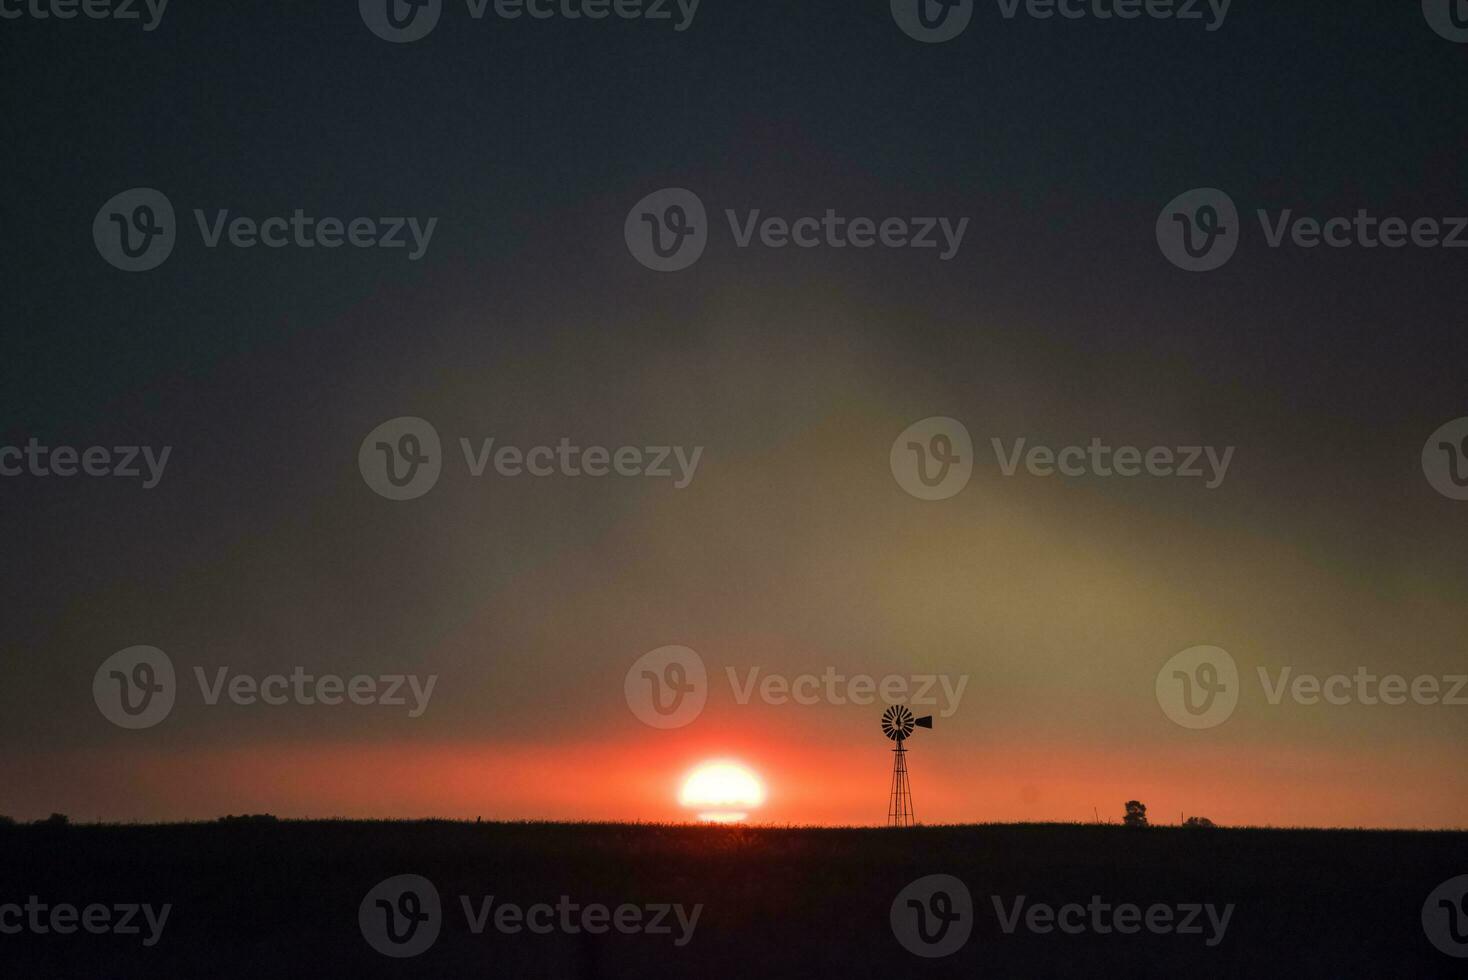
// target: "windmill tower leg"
[[899, 808]]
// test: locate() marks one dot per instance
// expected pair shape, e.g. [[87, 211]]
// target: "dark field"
[[282, 900]]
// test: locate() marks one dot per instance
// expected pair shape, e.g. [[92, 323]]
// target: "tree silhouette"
[[1202, 822], [1136, 814]]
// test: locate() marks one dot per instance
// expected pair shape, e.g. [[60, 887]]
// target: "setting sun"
[[722, 792]]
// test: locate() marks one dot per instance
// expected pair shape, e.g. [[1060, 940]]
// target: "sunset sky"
[[793, 550]]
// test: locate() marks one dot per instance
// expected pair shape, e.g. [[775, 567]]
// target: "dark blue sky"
[[529, 141]]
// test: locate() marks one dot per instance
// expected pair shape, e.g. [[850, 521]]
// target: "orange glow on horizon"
[[805, 782]]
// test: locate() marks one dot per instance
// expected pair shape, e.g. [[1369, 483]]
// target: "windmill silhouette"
[[897, 725]]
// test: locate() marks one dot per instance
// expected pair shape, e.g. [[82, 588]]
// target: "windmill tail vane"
[[898, 725]]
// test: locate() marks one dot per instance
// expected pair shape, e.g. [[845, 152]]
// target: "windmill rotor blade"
[[896, 722]]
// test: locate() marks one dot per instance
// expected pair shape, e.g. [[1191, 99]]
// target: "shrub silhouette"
[[6, 821], [1136, 814], [56, 820], [1199, 822]]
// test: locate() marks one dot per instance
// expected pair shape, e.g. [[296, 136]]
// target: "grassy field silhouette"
[[259, 898]]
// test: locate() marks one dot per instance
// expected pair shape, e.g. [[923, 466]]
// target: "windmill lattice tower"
[[897, 725]]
